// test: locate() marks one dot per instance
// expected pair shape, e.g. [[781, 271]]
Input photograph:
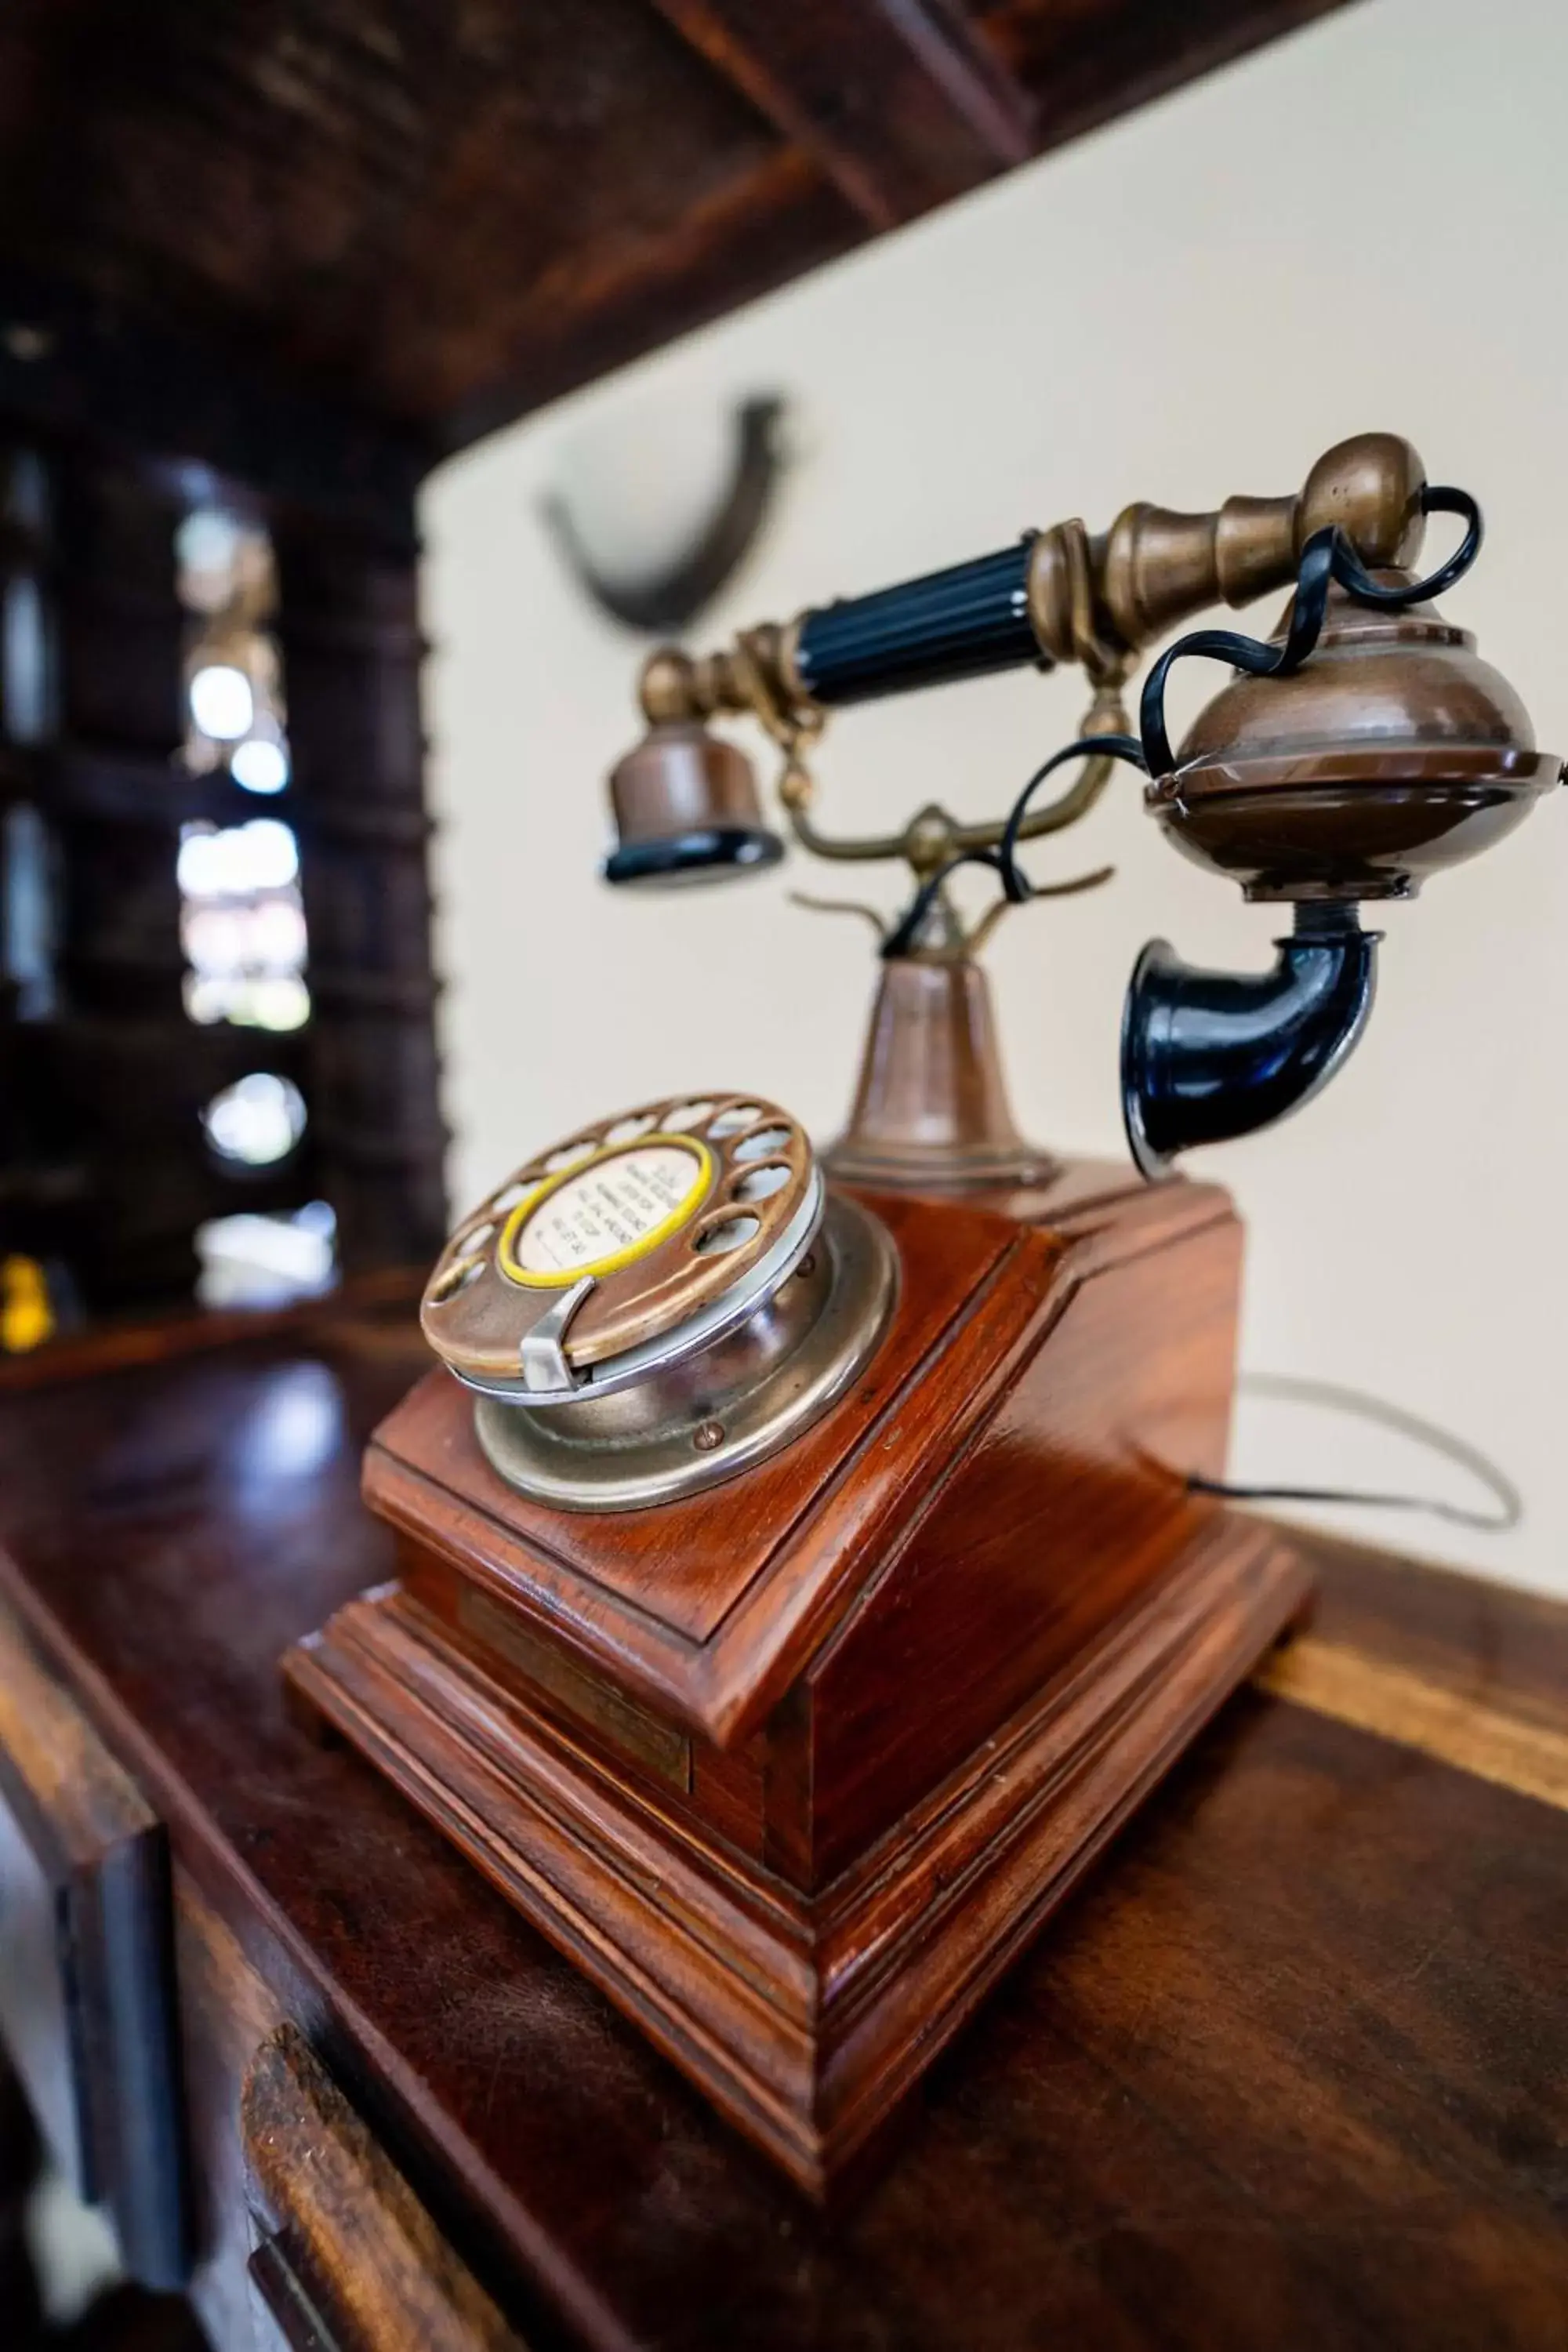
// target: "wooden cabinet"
[[87, 2000], [346, 2258]]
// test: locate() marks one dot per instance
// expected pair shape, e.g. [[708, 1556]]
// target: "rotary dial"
[[623, 1235]]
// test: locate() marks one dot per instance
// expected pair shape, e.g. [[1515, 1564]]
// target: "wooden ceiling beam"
[[903, 103], [1089, 65], [211, 249]]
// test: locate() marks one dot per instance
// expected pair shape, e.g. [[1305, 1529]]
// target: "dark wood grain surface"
[[1291, 2070], [430, 218], [901, 105]]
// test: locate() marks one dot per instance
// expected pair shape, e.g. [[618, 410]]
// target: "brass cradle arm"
[[932, 837]]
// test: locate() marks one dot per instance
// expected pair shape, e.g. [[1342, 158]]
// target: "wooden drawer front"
[[85, 1978], [346, 2259]]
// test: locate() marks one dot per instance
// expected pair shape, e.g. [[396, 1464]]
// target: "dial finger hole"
[[626, 1130], [509, 1197], [727, 1233], [479, 1238], [570, 1154], [763, 1145], [456, 1278], [685, 1115], [739, 1115], [761, 1183]]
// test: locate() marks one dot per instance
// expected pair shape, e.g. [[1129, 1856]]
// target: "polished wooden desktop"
[[1292, 2068]]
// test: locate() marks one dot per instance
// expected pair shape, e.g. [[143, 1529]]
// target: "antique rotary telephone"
[[801, 1579]]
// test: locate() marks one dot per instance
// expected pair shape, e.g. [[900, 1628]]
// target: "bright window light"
[[250, 1261], [236, 861], [209, 545], [257, 1121], [222, 703], [257, 1261], [259, 766], [279, 1000]]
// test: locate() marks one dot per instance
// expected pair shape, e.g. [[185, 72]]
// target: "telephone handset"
[[657, 1301]]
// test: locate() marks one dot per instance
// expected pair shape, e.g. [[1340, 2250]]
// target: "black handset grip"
[[961, 623]]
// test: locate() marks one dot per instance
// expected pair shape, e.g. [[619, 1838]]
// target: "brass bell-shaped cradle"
[[1394, 752]]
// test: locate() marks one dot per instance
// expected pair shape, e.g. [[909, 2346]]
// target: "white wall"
[[1364, 225]]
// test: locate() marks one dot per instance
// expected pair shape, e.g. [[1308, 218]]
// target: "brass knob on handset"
[[657, 1301], [1155, 567]]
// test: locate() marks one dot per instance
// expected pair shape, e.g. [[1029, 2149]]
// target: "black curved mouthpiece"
[[1209, 1054]]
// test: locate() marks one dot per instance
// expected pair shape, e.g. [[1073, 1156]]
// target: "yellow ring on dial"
[[615, 1259]]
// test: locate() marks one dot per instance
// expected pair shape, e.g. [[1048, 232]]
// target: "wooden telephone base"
[[792, 1768]]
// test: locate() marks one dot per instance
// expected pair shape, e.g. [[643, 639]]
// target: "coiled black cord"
[[1327, 559]]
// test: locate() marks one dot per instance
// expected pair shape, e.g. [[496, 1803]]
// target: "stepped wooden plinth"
[[792, 1767]]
